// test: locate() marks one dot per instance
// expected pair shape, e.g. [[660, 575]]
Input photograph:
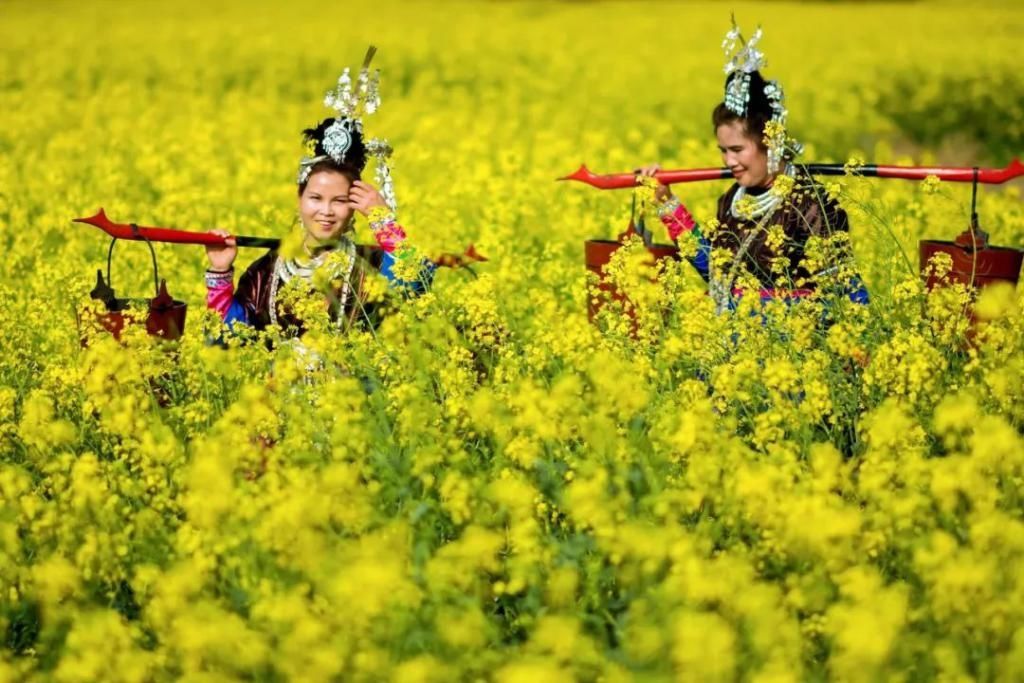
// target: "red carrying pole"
[[131, 231], [990, 176]]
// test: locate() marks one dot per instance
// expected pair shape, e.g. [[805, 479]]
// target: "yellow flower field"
[[488, 487]]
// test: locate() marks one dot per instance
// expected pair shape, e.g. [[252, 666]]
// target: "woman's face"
[[324, 206], [743, 155]]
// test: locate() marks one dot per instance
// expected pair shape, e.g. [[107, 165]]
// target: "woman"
[[330, 191], [766, 219]]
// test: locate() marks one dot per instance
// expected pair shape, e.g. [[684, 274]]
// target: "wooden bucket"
[[164, 316], [975, 263], [597, 255]]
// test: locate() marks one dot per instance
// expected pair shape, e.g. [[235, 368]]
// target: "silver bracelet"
[[216, 278], [376, 226], [669, 206]]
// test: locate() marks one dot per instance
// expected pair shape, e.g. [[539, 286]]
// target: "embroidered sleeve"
[[220, 296], [408, 272], [386, 230], [220, 290], [676, 217], [402, 264], [679, 221]]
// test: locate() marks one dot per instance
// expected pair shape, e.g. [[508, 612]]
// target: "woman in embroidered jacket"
[[767, 217], [330, 191]]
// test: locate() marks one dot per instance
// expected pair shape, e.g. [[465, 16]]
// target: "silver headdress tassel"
[[740, 64], [776, 137], [380, 150], [351, 104]]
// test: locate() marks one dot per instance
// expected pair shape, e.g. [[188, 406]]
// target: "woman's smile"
[[324, 205]]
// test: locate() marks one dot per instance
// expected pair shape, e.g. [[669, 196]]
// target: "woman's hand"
[[363, 197], [661, 192], [222, 256]]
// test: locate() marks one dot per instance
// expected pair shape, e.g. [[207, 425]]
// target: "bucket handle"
[[646, 235], [152, 253], [973, 238]]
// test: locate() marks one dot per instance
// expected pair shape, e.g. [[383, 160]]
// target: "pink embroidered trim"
[[777, 293], [677, 222], [219, 294], [389, 236]]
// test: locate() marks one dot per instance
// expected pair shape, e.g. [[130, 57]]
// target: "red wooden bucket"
[[598, 253], [975, 263], [164, 316]]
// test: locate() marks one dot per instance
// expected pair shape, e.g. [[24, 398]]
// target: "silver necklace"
[[287, 269], [763, 204]]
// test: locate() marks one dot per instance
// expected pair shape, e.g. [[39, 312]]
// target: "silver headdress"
[[351, 104], [744, 62], [743, 59]]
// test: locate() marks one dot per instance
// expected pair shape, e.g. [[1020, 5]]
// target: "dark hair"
[[355, 157], [329, 165], [759, 109]]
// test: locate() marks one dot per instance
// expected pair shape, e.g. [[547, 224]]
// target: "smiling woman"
[[767, 220], [330, 192], [324, 207]]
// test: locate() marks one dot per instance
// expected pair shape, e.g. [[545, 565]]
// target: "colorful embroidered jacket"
[[773, 252], [253, 301]]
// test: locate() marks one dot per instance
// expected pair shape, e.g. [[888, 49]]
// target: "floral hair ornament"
[[743, 59]]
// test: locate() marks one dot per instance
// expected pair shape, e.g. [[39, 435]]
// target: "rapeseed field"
[[488, 486]]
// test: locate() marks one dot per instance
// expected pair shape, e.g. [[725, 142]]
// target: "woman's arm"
[[385, 228], [400, 264], [220, 279], [221, 297], [678, 220], [220, 282]]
